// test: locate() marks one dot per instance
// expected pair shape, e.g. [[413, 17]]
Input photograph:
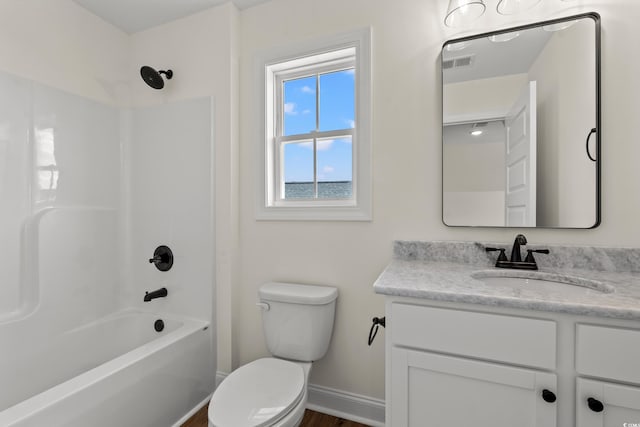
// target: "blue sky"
[[334, 156]]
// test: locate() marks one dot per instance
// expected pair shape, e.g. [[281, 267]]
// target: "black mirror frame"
[[598, 129]]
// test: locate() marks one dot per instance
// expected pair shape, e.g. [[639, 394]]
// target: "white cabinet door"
[[601, 404], [431, 390]]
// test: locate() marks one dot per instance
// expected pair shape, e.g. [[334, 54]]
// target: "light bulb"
[[463, 12]]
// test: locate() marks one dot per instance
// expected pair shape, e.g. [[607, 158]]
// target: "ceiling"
[[492, 133], [137, 15]]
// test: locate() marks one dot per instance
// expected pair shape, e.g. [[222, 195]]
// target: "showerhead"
[[153, 78]]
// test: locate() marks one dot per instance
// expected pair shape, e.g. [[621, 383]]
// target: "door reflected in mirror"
[[520, 119]]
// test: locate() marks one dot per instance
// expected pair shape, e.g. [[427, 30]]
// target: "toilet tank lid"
[[297, 293]]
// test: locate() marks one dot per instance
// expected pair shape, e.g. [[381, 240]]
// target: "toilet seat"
[[257, 394]]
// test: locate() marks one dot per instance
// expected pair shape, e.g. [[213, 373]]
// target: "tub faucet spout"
[[160, 293]]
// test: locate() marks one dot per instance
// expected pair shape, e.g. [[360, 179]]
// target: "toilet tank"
[[297, 319]]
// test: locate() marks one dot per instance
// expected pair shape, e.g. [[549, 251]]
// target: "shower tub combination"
[[78, 346], [117, 371]]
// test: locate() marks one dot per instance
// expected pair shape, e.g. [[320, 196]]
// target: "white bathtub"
[[116, 372]]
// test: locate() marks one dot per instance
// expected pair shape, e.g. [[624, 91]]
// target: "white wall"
[[566, 114], [407, 37], [484, 98], [473, 166], [474, 208], [62, 45], [201, 51], [473, 180]]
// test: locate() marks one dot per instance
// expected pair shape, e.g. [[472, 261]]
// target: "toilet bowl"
[[266, 392], [272, 392]]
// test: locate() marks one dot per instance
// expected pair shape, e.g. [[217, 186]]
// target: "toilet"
[[297, 322]]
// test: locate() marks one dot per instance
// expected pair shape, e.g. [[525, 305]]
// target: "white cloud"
[[351, 72], [322, 145], [307, 89], [328, 169], [290, 108], [351, 123], [306, 111]]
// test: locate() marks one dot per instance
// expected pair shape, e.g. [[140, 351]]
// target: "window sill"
[[318, 213]]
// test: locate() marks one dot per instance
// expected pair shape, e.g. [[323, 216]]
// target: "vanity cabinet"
[[429, 389], [603, 404], [612, 354], [452, 364]]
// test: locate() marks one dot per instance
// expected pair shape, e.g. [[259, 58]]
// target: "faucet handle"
[[539, 251], [162, 258], [502, 256], [530, 253]]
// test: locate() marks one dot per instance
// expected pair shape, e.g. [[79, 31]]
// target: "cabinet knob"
[[548, 396], [595, 405]]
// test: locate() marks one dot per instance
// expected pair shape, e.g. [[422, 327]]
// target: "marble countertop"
[[607, 288]]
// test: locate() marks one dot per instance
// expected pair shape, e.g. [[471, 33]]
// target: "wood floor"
[[316, 419], [311, 419]]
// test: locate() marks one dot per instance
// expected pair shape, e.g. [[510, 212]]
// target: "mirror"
[[521, 120]]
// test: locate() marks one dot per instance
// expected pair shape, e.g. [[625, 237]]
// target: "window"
[[314, 131], [316, 141]]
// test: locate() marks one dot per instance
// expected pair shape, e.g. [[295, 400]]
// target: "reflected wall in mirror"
[[521, 114]]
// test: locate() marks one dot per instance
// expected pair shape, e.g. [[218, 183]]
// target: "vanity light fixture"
[[504, 37], [463, 12], [511, 7]]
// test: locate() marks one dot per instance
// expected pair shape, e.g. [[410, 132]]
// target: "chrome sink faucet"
[[516, 261]]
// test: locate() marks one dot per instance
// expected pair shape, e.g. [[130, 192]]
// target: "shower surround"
[[87, 191]]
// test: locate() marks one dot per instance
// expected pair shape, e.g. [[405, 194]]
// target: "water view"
[[326, 190]]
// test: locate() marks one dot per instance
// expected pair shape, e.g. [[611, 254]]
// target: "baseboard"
[[192, 412], [350, 406], [219, 377]]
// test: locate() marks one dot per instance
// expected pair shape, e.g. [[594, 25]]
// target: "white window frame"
[[289, 62], [345, 59]]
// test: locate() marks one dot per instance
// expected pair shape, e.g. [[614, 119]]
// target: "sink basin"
[[538, 279]]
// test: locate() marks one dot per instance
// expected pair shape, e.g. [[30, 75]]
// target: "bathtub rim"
[[47, 398]]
